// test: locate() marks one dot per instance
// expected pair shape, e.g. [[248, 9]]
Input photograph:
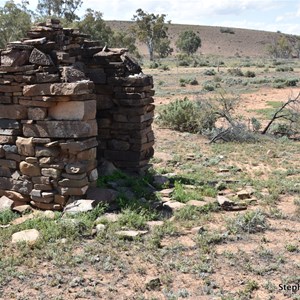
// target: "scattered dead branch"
[[282, 114]]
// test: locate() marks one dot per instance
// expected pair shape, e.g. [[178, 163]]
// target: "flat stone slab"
[[130, 233], [166, 192], [61, 129], [196, 203], [79, 206], [174, 205], [29, 236], [153, 224], [58, 89]]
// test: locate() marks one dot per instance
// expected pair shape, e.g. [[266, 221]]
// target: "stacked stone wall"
[[66, 102]]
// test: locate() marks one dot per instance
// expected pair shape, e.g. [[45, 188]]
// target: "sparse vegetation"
[[73, 259]]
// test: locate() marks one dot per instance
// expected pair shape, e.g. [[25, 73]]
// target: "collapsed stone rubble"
[[66, 103]]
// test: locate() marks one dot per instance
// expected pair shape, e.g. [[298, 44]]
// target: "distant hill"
[[217, 40]]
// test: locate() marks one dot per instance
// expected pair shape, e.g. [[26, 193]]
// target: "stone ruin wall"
[[66, 103]]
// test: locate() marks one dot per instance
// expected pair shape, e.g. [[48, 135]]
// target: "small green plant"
[[284, 69], [250, 74], [164, 67], [250, 222], [7, 216], [235, 72], [210, 72], [191, 81], [208, 87], [154, 65], [291, 248]]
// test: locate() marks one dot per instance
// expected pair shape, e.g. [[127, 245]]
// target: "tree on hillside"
[[281, 48], [59, 8], [122, 39], [15, 21], [152, 30], [188, 42], [93, 24]]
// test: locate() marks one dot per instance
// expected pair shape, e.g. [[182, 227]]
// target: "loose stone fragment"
[[39, 58], [29, 236]]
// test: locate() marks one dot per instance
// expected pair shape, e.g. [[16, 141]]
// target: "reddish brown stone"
[[15, 111]]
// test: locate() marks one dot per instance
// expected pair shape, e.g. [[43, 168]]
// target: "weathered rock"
[[61, 129], [153, 284], [46, 206], [73, 110], [160, 180], [46, 151], [130, 234], [58, 89], [6, 163], [102, 195], [16, 196], [196, 203], [78, 206], [100, 228], [224, 201], [37, 57], [153, 224], [66, 182], [71, 74], [50, 172], [14, 58], [37, 113], [29, 236], [25, 146], [174, 205], [29, 169], [75, 191], [22, 186], [76, 168], [5, 203], [166, 192], [22, 209], [15, 111]]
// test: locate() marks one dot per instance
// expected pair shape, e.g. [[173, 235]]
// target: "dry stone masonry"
[[66, 103]]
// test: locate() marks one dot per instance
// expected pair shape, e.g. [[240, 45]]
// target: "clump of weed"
[[7, 216], [191, 81], [284, 69], [235, 72], [250, 74], [250, 222], [210, 72]]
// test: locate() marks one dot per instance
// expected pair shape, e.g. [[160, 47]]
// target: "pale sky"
[[269, 15]]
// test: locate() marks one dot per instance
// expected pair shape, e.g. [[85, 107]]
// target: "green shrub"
[[284, 69], [250, 74], [210, 72], [227, 30], [187, 115], [250, 222], [291, 82], [191, 81], [208, 87], [154, 65], [235, 72], [164, 67], [184, 60]]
